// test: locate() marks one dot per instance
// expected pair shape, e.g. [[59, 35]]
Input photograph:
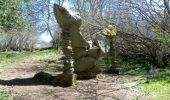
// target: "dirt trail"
[[22, 87]]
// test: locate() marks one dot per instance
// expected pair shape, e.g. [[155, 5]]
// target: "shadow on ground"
[[40, 78], [27, 82], [24, 82]]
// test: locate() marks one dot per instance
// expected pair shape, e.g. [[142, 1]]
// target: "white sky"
[[46, 36]]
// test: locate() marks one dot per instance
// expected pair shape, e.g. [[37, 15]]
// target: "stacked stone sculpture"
[[81, 57]]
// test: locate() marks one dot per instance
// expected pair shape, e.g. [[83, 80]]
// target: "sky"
[[46, 36]]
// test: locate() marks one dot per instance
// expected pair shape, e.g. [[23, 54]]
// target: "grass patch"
[[158, 85], [13, 57], [158, 90], [57, 63], [5, 95], [105, 62], [126, 67], [45, 54], [9, 59]]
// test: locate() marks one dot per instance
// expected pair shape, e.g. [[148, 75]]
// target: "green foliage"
[[127, 67], [11, 15], [106, 62], [163, 36]]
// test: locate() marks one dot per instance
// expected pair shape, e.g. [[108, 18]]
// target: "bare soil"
[[19, 81]]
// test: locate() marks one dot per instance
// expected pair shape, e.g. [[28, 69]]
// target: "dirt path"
[[22, 87]]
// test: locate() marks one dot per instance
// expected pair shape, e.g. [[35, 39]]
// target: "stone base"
[[88, 74], [85, 76], [65, 80], [86, 67]]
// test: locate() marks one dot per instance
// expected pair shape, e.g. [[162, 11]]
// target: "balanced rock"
[[84, 56]]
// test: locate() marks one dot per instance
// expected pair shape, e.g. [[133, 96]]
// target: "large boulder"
[[86, 67]]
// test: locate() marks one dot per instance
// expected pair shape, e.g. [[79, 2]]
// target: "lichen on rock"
[[110, 31]]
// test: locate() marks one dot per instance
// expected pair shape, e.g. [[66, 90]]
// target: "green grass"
[[47, 57], [105, 62], [158, 85], [158, 90], [54, 64], [5, 95], [10, 59], [45, 54], [126, 68]]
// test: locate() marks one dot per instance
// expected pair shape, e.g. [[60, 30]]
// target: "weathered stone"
[[79, 52], [70, 22], [65, 20], [86, 65], [77, 40], [103, 42], [94, 52], [75, 47], [66, 79]]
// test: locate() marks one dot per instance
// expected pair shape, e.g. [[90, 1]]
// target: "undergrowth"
[[155, 82]]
